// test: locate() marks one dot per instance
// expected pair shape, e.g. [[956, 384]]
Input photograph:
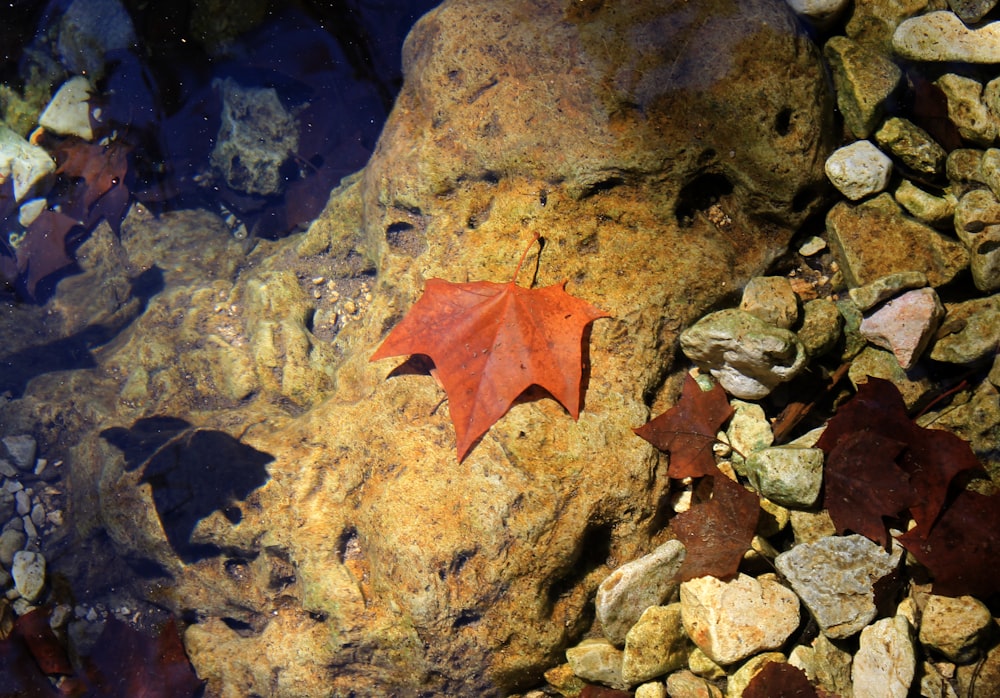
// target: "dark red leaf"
[[42, 642], [862, 484], [20, 676], [126, 663], [962, 547], [781, 680], [931, 457], [717, 533], [687, 430], [43, 250]]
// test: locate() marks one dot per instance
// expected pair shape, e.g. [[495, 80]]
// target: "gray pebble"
[[11, 541], [7, 468], [38, 515], [6, 505], [23, 502], [29, 528], [21, 450]]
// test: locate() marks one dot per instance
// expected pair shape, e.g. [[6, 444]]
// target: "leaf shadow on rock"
[[193, 474], [75, 351]]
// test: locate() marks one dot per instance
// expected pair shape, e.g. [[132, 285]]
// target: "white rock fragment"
[[632, 588], [30, 210], [859, 169], [885, 662], [28, 571], [835, 577], [817, 10], [68, 114], [942, 36], [733, 620], [905, 324], [29, 165]]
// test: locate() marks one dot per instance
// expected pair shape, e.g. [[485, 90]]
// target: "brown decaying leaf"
[[688, 430], [717, 533], [781, 680], [490, 342]]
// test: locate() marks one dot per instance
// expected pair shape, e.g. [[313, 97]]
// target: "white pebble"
[[28, 571], [859, 169]]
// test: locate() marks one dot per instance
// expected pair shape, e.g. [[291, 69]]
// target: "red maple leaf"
[[688, 430], [490, 342], [717, 533], [917, 477]]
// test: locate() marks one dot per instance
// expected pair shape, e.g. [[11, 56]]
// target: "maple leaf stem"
[[524, 256]]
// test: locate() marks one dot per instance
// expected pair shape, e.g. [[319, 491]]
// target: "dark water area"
[[164, 78]]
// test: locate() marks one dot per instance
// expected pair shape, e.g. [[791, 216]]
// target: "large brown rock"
[[665, 151]]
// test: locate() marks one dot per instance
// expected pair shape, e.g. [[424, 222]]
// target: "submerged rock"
[[666, 152]]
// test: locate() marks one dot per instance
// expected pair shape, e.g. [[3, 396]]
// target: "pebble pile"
[[916, 220]]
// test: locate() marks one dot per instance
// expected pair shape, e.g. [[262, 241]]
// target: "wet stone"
[[22, 502], [653, 689], [969, 332], [905, 324], [21, 450], [912, 145], [977, 223], [786, 475], [971, 11], [632, 588], [924, 206], [687, 684], [7, 505], [966, 108], [885, 663], [772, 299], [874, 239], [955, 627], [748, 431], [835, 578], [7, 468], [868, 296], [825, 664], [864, 79], [746, 355], [11, 541], [738, 681], [655, 645], [942, 36], [598, 661], [820, 327]]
